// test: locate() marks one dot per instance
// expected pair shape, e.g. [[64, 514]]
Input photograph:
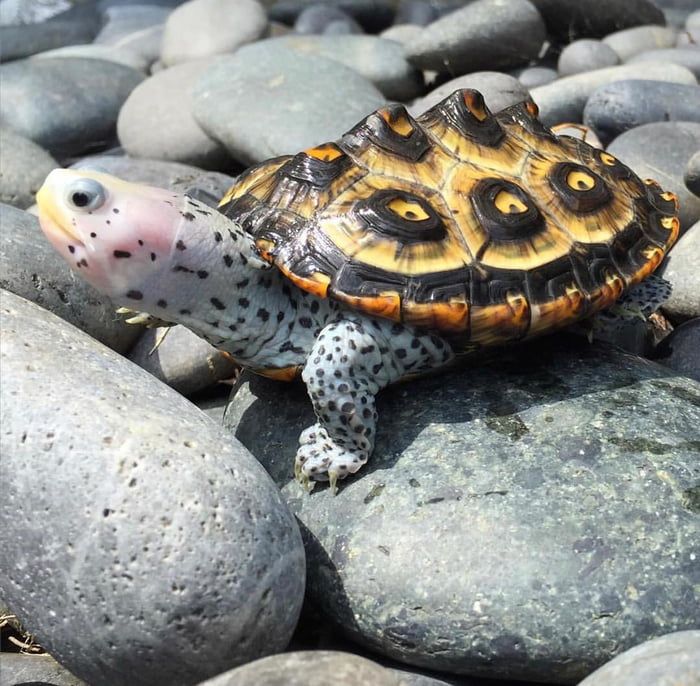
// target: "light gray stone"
[[97, 51], [146, 42], [380, 61], [23, 168], [671, 660], [687, 57], [17, 669], [31, 268], [156, 121], [689, 38], [67, 105], [586, 55], [485, 34], [133, 519], [402, 33], [202, 28], [524, 518], [564, 100], [125, 20], [693, 20], [416, 12], [680, 350], [261, 102], [531, 77], [314, 19], [630, 42], [692, 174], [682, 270], [661, 151], [18, 12]]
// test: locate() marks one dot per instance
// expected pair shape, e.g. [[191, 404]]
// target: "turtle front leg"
[[351, 360]]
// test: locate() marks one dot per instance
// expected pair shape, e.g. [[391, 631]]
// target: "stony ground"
[[527, 518]]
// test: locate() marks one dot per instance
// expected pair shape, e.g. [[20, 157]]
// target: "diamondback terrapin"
[[379, 256]]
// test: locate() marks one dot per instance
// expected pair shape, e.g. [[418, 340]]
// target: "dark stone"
[[315, 18], [681, 269], [586, 55], [133, 519], [630, 42], [511, 520], [18, 669], [622, 105], [417, 12], [372, 15], [692, 174], [680, 350]]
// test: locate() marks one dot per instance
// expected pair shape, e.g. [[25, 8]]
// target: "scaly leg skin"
[[351, 360]]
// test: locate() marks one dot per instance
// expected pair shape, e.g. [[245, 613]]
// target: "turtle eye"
[[85, 195]]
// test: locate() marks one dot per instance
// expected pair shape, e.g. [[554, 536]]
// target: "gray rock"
[[688, 38], [416, 12], [692, 174], [35, 670], [181, 359], [380, 61], [342, 27], [661, 151], [485, 34], [160, 541], [308, 668], [570, 19], [66, 105], [586, 55], [682, 271], [617, 107], [156, 120], [680, 350], [673, 659], [31, 268], [402, 33], [499, 91], [97, 51], [552, 454], [686, 57], [202, 28], [214, 403], [146, 42], [124, 20], [532, 77], [17, 12], [372, 15], [693, 20], [315, 19], [563, 100], [631, 42], [23, 168], [261, 103]]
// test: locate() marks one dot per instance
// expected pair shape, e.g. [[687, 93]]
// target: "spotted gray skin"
[[178, 260]]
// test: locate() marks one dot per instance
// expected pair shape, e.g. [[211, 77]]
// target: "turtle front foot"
[[320, 458]]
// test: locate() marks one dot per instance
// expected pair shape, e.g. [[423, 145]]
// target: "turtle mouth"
[[51, 220]]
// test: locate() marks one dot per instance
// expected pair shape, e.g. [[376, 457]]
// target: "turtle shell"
[[479, 225]]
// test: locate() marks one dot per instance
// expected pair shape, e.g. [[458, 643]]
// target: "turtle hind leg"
[[351, 360]]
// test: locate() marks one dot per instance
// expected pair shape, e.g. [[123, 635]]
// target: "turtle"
[[383, 255]]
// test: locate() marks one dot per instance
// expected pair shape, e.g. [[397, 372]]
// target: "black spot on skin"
[[280, 316], [320, 373], [400, 353], [202, 274], [244, 259], [263, 314], [204, 212], [135, 295], [71, 249], [217, 303], [93, 234], [233, 327], [188, 215], [115, 210], [140, 242], [162, 303], [121, 254], [228, 260], [377, 368], [181, 268], [314, 307], [305, 322], [415, 343], [153, 257], [243, 283], [180, 245], [367, 349], [218, 237], [185, 312], [347, 408], [108, 221], [243, 302]]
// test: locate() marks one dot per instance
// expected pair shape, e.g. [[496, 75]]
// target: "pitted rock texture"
[[131, 518], [681, 269], [522, 518]]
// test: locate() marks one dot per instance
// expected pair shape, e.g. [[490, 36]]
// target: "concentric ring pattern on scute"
[[486, 227]]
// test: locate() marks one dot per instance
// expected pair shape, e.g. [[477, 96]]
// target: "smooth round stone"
[[631, 42], [617, 107], [670, 660], [692, 174], [373, 15], [342, 27], [693, 20], [586, 55], [66, 105], [401, 33], [570, 19], [531, 77], [563, 100], [131, 517], [681, 269], [96, 51], [35, 670], [680, 350], [499, 91], [689, 38], [486, 34], [560, 437], [23, 168], [686, 57], [380, 61], [202, 28], [145, 43], [17, 12], [316, 18], [261, 102], [178, 357], [156, 120], [416, 12], [308, 668], [124, 20], [31, 268], [661, 151]]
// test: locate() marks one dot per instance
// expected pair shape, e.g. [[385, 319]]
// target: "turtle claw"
[[333, 479]]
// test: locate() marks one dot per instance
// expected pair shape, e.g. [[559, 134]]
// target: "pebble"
[[560, 437], [531, 77], [35, 670], [680, 350], [156, 120], [125, 20], [17, 12], [586, 55], [66, 105], [261, 103], [163, 545], [31, 268], [485, 34], [693, 20], [499, 91], [567, 20], [692, 174], [202, 28], [145, 43], [342, 27], [681, 269], [373, 15], [23, 168], [415, 12], [308, 668], [688, 38], [686, 57], [178, 357], [673, 659], [622, 105], [95, 51], [564, 100], [380, 61], [402, 33], [631, 42], [661, 151], [316, 18]]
